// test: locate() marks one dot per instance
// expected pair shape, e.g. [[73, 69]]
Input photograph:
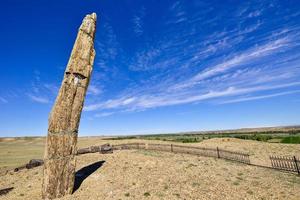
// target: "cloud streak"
[[236, 61], [3, 100], [38, 99], [94, 90], [148, 101], [242, 99], [198, 55]]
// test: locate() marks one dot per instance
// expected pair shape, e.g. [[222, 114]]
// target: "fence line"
[[290, 164], [129, 146], [201, 151], [285, 163], [232, 155]]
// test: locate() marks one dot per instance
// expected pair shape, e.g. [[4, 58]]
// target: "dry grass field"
[[17, 151], [143, 174]]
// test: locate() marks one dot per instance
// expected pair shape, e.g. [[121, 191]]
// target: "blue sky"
[[161, 66]]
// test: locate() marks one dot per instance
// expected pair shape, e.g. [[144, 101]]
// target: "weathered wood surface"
[[286, 163], [105, 148], [19, 168], [59, 166], [91, 149], [34, 163], [31, 164]]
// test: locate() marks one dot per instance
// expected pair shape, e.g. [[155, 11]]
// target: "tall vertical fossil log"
[[59, 167]]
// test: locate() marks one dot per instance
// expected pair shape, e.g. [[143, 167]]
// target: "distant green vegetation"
[[292, 137], [120, 138], [291, 140], [174, 138], [257, 137], [188, 140], [278, 138]]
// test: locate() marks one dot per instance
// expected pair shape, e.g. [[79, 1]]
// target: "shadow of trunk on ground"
[[85, 172], [5, 191]]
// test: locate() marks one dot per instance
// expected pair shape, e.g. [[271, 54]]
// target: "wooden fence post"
[[218, 152], [171, 147], [296, 164]]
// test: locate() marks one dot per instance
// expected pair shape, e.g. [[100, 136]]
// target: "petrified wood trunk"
[[59, 166], [105, 148], [34, 163], [31, 164]]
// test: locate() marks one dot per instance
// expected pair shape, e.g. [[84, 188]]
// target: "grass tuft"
[[146, 194], [127, 194]]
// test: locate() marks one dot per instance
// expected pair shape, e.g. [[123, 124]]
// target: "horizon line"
[[295, 126]]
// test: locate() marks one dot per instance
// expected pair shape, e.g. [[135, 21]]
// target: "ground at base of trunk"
[[142, 174]]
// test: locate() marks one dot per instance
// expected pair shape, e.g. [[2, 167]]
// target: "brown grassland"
[[144, 174]]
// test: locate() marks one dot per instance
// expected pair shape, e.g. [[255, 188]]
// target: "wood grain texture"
[[59, 167]]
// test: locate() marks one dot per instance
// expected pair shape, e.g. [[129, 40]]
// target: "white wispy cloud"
[[238, 60], [178, 11], [52, 88], [104, 114], [150, 60], [252, 98], [138, 21], [196, 57], [151, 101], [3, 100], [255, 13], [94, 90], [38, 99], [138, 27], [41, 91], [175, 5], [230, 91], [109, 52], [110, 104]]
